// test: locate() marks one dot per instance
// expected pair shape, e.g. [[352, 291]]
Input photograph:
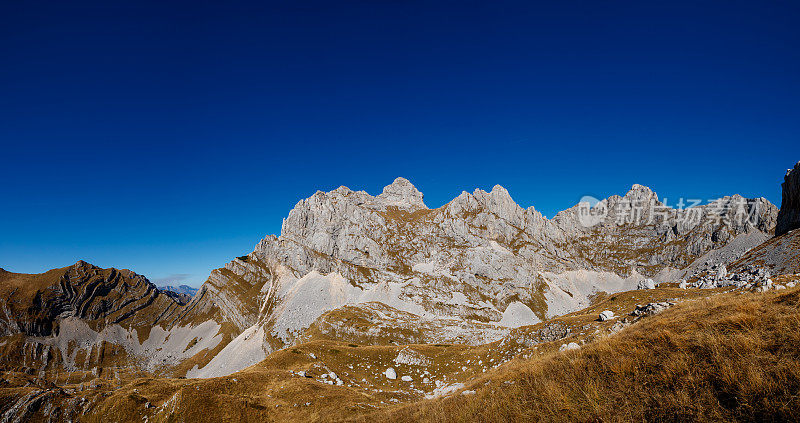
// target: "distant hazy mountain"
[[181, 289], [182, 293]]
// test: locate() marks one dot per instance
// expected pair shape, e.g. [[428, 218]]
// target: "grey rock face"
[[722, 271], [639, 231], [402, 194], [471, 258], [651, 308], [789, 215], [646, 284]]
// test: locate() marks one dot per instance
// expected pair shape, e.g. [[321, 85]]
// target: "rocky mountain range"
[[385, 270]]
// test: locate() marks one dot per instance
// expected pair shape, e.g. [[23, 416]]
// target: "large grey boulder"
[[722, 272], [646, 284], [651, 308]]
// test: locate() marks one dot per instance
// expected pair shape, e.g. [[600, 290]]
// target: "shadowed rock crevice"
[[789, 215]]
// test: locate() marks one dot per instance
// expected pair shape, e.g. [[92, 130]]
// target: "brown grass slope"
[[732, 357]]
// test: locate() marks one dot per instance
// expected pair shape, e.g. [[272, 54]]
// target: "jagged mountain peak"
[[81, 263], [789, 170], [399, 182], [500, 190], [641, 192], [499, 202], [403, 194], [640, 187]]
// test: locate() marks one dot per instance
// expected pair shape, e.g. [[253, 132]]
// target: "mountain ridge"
[[388, 275], [482, 244]]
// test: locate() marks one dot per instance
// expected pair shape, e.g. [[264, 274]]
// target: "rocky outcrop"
[[481, 258], [401, 194], [789, 215], [638, 231], [651, 308], [646, 284], [84, 317], [35, 304]]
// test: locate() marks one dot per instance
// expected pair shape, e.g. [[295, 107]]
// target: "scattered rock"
[[406, 378], [570, 346], [390, 373], [619, 325], [651, 308], [606, 315], [412, 357]]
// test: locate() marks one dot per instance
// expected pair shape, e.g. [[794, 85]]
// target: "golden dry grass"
[[734, 357]]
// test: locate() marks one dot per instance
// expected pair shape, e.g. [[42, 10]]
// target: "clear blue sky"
[[169, 137]]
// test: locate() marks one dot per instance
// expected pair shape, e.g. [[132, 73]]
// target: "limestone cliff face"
[[470, 259], [638, 231], [789, 215], [465, 272]]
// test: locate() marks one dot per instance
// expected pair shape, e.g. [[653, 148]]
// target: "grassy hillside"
[[718, 355], [733, 357]]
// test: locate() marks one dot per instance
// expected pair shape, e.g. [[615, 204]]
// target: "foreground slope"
[[733, 357], [715, 355]]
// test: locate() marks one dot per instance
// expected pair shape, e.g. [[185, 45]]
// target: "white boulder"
[[646, 284], [570, 346], [606, 315], [722, 272]]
